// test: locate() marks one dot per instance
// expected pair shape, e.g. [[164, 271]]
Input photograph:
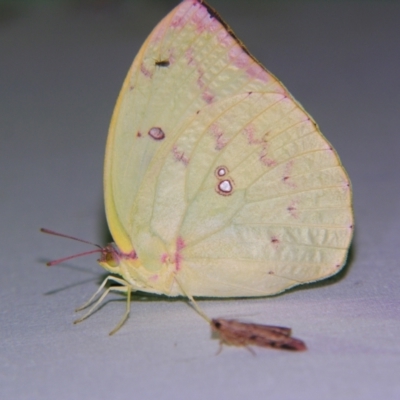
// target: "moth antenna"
[[60, 260], [194, 303]]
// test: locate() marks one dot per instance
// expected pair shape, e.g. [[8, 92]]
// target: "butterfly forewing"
[[205, 65]]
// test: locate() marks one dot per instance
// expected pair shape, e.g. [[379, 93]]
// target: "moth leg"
[[220, 347], [101, 287], [250, 350], [222, 342]]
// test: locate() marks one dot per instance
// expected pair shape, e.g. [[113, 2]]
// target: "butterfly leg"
[[194, 303], [125, 288], [127, 311], [101, 287]]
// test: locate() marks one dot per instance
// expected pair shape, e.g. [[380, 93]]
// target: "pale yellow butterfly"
[[217, 182]]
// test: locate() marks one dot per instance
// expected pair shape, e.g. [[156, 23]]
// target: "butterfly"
[[217, 183]]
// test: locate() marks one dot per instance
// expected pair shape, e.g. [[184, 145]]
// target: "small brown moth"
[[236, 333]]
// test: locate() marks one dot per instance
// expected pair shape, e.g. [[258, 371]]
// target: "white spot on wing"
[[221, 171], [225, 187]]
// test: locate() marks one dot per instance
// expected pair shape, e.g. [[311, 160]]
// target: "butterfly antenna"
[[60, 260], [44, 230]]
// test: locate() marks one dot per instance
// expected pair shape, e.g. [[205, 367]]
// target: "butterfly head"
[[111, 258]]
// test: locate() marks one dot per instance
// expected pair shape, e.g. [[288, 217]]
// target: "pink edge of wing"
[[240, 59], [192, 11], [159, 31], [182, 15], [201, 18]]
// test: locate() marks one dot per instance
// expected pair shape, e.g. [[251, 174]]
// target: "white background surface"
[[60, 73]]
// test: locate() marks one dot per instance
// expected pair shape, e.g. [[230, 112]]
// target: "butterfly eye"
[[156, 133], [110, 256], [225, 187]]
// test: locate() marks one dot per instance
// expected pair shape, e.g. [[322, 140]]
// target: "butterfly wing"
[[211, 164]]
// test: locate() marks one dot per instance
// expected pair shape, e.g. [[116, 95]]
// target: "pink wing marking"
[[180, 245], [171, 57], [239, 57], [182, 15], [292, 208], [159, 32], [200, 81], [225, 39], [180, 156], [145, 71], [264, 159], [218, 134], [275, 242], [214, 26], [189, 56], [164, 258], [201, 18], [250, 131], [207, 96], [286, 175], [258, 72]]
